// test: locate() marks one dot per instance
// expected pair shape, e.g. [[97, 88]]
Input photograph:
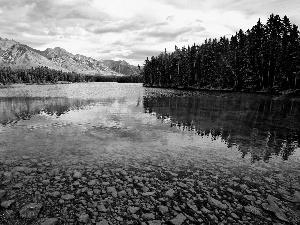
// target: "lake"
[[127, 122], [244, 136]]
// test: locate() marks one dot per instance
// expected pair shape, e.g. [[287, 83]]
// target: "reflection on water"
[[13, 109], [124, 121], [259, 125]]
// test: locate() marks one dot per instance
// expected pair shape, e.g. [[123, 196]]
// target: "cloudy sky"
[[131, 29]]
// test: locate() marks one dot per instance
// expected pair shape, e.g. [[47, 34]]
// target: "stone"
[[250, 198], [216, 203], [77, 174], [163, 209], [178, 220], [46, 182], [191, 204], [122, 193], [68, 197], [148, 216], [253, 210], [17, 186], [133, 210], [55, 193], [49, 221], [83, 218], [273, 207], [7, 204], [103, 222], [30, 211], [148, 193], [170, 193], [154, 222], [101, 208], [2, 194], [92, 183]]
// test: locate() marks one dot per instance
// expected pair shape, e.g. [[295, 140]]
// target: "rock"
[[250, 198], [55, 193], [296, 196], [122, 193], [154, 222], [119, 218], [7, 176], [101, 208], [191, 204], [92, 183], [77, 174], [68, 197], [170, 193], [270, 180], [7, 204], [273, 207], [49, 221], [2, 194], [30, 211], [253, 210], [103, 222], [163, 209], [233, 215], [133, 210], [46, 182], [148, 216], [205, 210], [17, 186], [216, 203], [178, 220], [148, 193], [83, 218], [22, 169]]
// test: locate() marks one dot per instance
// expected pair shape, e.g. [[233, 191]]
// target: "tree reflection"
[[15, 109], [259, 126]]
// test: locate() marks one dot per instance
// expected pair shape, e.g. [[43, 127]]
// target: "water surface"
[[127, 123]]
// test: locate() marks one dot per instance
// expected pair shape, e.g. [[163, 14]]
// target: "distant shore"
[[294, 92]]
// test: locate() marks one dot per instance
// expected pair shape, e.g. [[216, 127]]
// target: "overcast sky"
[[132, 29]]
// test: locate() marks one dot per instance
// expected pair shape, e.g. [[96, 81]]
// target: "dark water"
[[125, 123]]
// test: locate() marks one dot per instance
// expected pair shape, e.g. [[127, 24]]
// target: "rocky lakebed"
[[38, 190]]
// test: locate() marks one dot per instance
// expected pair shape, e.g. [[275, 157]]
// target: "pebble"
[[68, 197], [7, 204], [30, 210], [216, 203], [49, 221], [178, 220], [170, 193]]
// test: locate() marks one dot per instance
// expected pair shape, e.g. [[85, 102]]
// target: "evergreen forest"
[[265, 58], [44, 75]]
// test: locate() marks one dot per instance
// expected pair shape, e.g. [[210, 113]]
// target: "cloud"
[[134, 29]]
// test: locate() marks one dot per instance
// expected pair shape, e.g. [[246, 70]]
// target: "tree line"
[[37, 75], [265, 58], [42, 74]]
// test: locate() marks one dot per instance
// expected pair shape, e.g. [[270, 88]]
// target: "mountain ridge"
[[20, 56]]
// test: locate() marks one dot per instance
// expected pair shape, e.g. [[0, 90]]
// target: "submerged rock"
[[30, 211], [178, 220], [7, 204], [273, 207], [49, 221], [216, 203]]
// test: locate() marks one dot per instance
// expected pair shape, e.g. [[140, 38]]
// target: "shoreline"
[[285, 93]]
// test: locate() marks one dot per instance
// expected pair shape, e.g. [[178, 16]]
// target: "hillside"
[[20, 56]]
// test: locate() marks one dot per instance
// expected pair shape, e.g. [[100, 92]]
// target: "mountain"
[[122, 67], [20, 56]]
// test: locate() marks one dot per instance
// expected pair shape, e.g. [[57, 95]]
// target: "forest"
[[43, 75], [265, 58]]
